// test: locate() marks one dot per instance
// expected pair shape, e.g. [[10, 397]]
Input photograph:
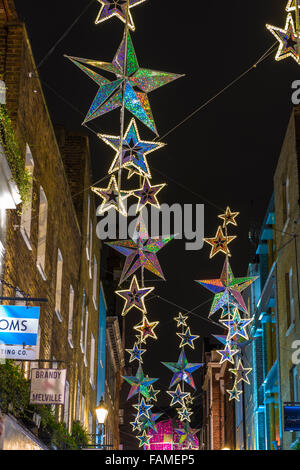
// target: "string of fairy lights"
[[128, 92]]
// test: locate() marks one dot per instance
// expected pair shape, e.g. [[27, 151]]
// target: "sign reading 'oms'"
[[19, 325]]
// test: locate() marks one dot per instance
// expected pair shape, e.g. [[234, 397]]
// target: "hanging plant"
[[20, 174]]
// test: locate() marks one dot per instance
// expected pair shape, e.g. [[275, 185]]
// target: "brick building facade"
[[51, 249], [287, 215], [218, 426]]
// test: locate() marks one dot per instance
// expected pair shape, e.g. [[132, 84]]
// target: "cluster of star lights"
[[182, 374], [124, 85], [228, 298], [289, 37]]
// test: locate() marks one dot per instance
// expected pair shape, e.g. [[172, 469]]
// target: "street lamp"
[[101, 413]]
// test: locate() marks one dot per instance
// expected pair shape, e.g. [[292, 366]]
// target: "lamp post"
[[101, 413]]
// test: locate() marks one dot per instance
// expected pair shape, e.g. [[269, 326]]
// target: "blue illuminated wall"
[[101, 346]]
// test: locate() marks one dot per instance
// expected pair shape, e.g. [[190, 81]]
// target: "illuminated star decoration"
[[234, 393], [178, 396], [182, 370], [143, 409], [184, 414], [135, 353], [140, 251], [227, 310], [134, 151], [237, 326], [150, 422], [187, 339], [153, 393], [291, 6], [110, 8], [147, 194], [227, 354], [146, 329], [181, 320], [139, 383], [134, 296], [110, 94], [136, 425], [219, 243], [288, 40], [144, 439], [241, 373], [227, 289], [187, 434], [229, 217], [112, 198]]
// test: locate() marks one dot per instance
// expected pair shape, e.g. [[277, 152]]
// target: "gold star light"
[[181, 320], [241, 373], [146, 329], [112, 197], [291, 6], [134, 296], [118, 8], [288, 40], [229, 217], [219, 243]]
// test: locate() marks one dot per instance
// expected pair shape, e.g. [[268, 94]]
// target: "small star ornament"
[[288, 40], [187, 339], [234, 394], [117, 8], [144, 439], [147, 194], [153, 393], [184, 414], [136, 353], [112, 198], [237, 326], [181, 320], [227, 354], [219, 243], [134, 151], [178, 396], [143, 409], [134, 296], [146, 329], [241, 373], [229, 217]]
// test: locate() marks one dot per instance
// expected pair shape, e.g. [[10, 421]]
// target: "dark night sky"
[[227, 152]]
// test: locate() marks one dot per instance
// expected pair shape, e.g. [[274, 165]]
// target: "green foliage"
[[14, 398], [20, 174], [14, 389], [79, 434]]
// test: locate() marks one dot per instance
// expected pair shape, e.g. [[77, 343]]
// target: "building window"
[[90, 423], [25, 225], [92, 360], [95, 282], [285, 200], [71, 312], [290, 307], [2, 92], [66, 406], [294, 384], [78, 401], [82, 411], [82, 322], [42, 233], [58, 291]]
